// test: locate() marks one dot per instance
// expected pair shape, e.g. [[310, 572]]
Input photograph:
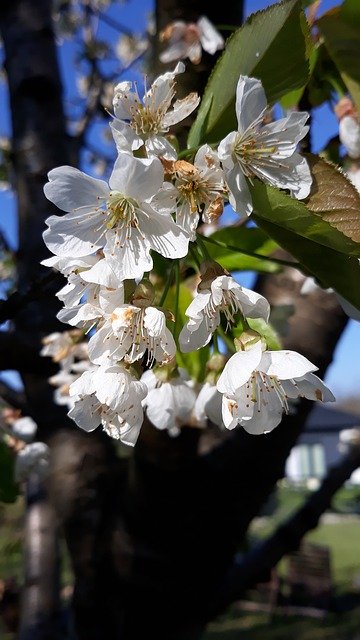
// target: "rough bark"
[[40, 143]]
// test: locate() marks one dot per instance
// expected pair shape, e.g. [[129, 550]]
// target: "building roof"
[[323, 420]]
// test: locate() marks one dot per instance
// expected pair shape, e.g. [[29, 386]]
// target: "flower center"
[[146, 121], [122, 211], [191, 186], [253, 147], [259, 385], [229, 306]]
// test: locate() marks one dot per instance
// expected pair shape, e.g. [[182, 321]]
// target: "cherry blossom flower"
[[188, 39], [34, 458], [112, 397], [119, 218], [146, 122], [64, 346], [264, 151], [85, 276], [218, 294], [24, 428], [197, 189], [129, 333], [257, 386], [170, 399], [208, 405], [349, 126]]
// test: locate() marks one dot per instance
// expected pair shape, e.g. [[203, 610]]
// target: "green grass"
[[342, 536]]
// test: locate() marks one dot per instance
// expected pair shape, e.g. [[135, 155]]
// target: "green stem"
[[177, 294], [253, 254], [202, 245], [215, 343], [167, 286], [229, 343], [194, 255]]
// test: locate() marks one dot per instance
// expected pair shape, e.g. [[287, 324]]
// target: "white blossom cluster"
[[105, 245]]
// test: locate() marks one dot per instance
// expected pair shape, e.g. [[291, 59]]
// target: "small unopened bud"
[[247, 340], [209, 271], [144, 294], [216, 362]]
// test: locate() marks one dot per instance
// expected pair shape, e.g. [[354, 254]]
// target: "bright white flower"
[[119, 218], [187, 39], [146, 122], [218, 295], [112, 397], [24, 428], [197, 189], [130, 47], [88, 314], [257, 385], [34, 458], [85, 276], [169, 404], [130, 332], [349, 134], [64, 347], [64, 378], [264, 151]]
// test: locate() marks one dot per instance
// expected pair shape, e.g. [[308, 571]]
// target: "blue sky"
[[343, 374]]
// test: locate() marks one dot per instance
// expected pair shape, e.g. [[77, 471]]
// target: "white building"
[[321, 445]]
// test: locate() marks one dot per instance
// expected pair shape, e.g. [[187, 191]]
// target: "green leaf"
[[293, 97], [350, 12], [196, 361], [331, 268], [275, 206], [272, 45], [9, 490], [243, 239], [342, 39], [334, 198], [267, 331], [325, 252]]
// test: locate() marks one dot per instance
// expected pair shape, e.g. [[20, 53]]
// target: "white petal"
[[181, 109], [160, 93], [74, 235], [85, 412], [250, 101], [239, 368], [159, 146], [104, 348], [101, 273], [175, 51], [70, 188], [253, 304], [112, 386], [292, 173], [128, 257], [190, 340], [136, 178], [125, 100], [309, 386], [163, 235], [285, 364], [84, 385], [125, 138], [239, 196], [211, 39]]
